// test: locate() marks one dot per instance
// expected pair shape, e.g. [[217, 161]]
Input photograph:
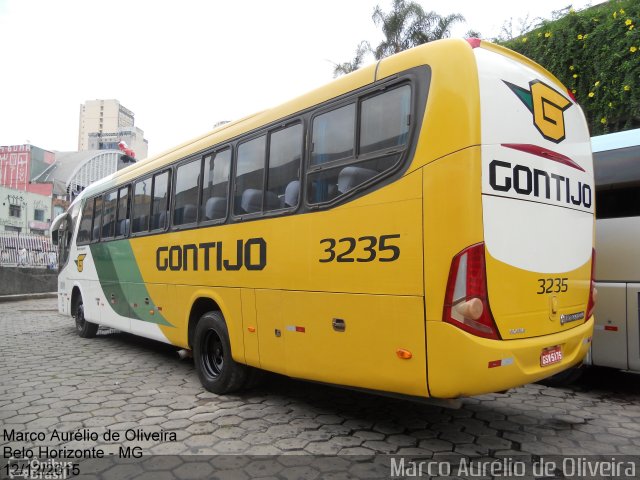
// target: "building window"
[[10, 228], [15, 211], [38, 215]]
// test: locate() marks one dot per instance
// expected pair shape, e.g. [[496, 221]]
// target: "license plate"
[[550, 355]]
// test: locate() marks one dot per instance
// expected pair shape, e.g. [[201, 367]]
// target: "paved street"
[[54, 381]]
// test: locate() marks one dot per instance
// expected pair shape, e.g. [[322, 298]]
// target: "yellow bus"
[[421, 227]]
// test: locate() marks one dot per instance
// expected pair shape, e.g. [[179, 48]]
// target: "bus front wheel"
[[84, 328], [217, 370]]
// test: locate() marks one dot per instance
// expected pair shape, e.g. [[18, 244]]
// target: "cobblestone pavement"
[[54, 381]]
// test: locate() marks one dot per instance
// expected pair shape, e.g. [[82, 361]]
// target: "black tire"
[[255, 378], [564, 378], [217, 370], [84, 328]]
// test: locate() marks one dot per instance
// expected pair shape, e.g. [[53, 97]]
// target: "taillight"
[[466, 303], [593, 293]]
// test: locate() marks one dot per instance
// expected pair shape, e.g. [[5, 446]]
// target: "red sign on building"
[[16, 168]]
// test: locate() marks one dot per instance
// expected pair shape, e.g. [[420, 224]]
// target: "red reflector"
[[495, 363], [573, 97], [611, 328], [300, 329]]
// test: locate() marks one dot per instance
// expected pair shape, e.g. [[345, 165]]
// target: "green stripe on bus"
[[126, 284]]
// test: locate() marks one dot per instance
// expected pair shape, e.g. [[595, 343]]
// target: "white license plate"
[[550, 355]]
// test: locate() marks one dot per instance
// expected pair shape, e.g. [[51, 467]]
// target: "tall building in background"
[[105, 123]]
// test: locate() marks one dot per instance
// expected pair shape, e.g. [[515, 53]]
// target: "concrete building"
[[25, 206], [37, 185], [72, 172], [104, 123]]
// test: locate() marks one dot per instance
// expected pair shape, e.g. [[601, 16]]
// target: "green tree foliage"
[[348, 67], [596, 54], [406, 25]]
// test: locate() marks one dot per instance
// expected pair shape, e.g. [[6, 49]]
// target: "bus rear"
[[519, 297]]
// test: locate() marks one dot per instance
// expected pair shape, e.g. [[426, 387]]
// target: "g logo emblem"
[[79, 262], [547, 107]]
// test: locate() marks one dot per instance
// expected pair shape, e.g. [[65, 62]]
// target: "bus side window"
[[97, 219], [84, 231], [160, 204], [185, 208], [141, 206], [333, 138], [109, 214], [249, 176], [215, 185], [383, 120], [122, 220], [283, 180]]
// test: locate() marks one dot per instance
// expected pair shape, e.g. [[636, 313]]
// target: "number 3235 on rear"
[[552, 285]]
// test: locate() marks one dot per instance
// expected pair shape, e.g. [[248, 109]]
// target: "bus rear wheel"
[[217, 370], [84, 328]]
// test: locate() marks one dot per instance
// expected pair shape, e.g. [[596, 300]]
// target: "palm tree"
[[348, 67], [408, 25]]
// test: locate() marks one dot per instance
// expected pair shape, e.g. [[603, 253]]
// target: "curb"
[[27, 296]]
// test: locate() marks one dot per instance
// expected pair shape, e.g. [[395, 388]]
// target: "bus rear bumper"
[[461, 364]]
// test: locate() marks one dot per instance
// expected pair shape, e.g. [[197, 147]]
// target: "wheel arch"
[[227, 301], [76, 295], [199, 307]]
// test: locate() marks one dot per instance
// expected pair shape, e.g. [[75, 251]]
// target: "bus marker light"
[[251, 329], [159, 309], [151, 312], [503, 362], [606, 328], [404, 354], [294, 328]]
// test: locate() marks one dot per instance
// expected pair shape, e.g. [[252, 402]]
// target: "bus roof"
[[616, 159], [613, 141]]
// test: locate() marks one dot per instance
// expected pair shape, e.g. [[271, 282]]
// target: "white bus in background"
[[616, 337]]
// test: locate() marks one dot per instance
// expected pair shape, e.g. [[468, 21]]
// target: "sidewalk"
[[27, 296]]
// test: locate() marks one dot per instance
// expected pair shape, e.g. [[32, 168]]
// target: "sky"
[[182, 66]]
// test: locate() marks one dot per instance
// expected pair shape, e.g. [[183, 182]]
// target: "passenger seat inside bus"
[[251, 201], [351, 177], [215, 208], [291, 194]]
